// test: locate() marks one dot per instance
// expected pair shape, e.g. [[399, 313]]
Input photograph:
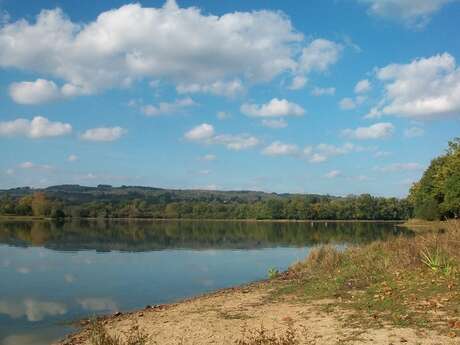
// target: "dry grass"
[[99, 335], [407, 281]]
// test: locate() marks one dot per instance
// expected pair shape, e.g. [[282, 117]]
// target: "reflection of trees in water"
[[105, 235]]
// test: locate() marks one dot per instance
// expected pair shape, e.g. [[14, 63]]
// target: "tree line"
[[363, 207]]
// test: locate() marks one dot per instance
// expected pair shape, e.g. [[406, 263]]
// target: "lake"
[[53, 273]]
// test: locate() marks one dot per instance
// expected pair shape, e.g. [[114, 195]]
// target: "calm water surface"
[[53, 273]]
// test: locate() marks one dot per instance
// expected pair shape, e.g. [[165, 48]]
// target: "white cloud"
[[333, 174], [208, 157], [414, 13], [30, 165], [236, 142], [220, 88], [103, 134], [34, 92], [298, 82], [275, 108], [274, 123], [347, 103], [9, 172], [314, 154], [38, 127], [363, 86], [414, 132], [376, 131], [426, 88], [319, 55], [318, 91], [119, 48], [395, 167], [72, 158], [205, 133], [164, 108], [200, 132], [27, 165], [277, 148]]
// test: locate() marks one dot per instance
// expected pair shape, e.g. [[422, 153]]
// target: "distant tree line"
[[437, 194], [363, 207]]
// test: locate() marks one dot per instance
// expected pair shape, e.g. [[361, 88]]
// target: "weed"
[[273, 273]]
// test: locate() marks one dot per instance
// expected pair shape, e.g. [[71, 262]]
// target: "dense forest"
[[142, 202], [435, 196]]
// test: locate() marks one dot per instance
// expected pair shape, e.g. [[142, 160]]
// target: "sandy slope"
[[222, 317]]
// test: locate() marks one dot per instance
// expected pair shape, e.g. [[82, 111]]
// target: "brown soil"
[[222, 317]]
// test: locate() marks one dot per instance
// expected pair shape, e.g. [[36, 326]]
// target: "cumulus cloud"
[[313, 154], [333, 174], [205, 133], [298, 82], [277, 148], [348, 103], [38, 127], [322, 152], [274, 123], [414, 13], [376, 131], [103, 134], [275, 108], [414, 132], [118, 48], [425, 88], [200, 132], [220, 88], [318, 91], [30, 165], [319, 55], [34, 92], [395, 167], [164, 108], [236, 142], [363, 86]]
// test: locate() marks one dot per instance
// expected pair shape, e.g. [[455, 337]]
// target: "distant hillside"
[[103, 193]]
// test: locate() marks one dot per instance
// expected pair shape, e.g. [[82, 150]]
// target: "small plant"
[[273, 273], [436, 260]]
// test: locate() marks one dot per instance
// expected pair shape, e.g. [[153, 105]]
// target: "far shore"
[[29, 218]]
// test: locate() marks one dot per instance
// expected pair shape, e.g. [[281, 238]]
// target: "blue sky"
[[335, 96]]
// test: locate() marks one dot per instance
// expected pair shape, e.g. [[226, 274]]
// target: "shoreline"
[[251, 220], [326, 299]]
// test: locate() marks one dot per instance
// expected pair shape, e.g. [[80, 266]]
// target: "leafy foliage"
[[437, 194], [142, 202]]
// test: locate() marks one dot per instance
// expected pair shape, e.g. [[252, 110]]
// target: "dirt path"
[[222, 317]]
